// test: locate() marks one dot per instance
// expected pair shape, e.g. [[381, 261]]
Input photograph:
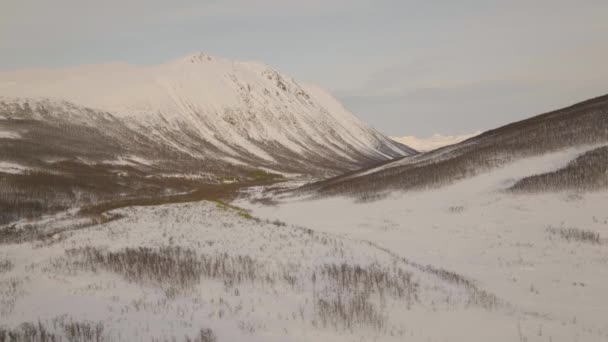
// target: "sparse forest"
[[587, 172]]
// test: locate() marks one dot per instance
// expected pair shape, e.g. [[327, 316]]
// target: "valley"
[[455, 257], [209, 200]]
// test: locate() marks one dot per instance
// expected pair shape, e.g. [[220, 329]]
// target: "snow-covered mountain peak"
[[198, 57], [245, 110]]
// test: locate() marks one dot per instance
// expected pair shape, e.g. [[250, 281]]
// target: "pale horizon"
[[406, 68]]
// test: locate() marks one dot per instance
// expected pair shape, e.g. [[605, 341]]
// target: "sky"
[[406, 67]]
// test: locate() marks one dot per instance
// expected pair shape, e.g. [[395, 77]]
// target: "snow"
[[547, 288], [433, 142], [501, 240], [9, 135], [12, 168], [199, 175], [140, 160], [128, 161], [259, 311]]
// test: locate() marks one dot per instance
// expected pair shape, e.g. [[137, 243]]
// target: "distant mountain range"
[[433, 142]]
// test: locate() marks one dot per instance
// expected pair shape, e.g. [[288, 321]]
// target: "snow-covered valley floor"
[[467, 262], [518, 247]]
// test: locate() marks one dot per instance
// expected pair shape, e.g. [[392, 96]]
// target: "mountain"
[[97, 133], [583, 125], [209, 109], [433, 142]]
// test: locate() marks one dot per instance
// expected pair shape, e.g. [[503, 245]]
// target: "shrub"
[[172, 266], [61, 329], [10, 290], [575, 234], [6, 265], [353, 296], [168, 267], [29, 332]]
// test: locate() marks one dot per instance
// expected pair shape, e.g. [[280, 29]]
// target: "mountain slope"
[[588, 171], [215, 109], [121, 133], [582, 124]]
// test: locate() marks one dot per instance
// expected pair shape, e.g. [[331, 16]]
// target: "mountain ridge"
[[244, 109]]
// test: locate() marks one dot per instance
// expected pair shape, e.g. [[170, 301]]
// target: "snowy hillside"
[[211, 108], [173, 272], [543, 254], [582, 125], [467, 262]]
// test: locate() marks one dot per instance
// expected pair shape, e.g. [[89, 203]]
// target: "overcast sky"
[[406, 67]]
